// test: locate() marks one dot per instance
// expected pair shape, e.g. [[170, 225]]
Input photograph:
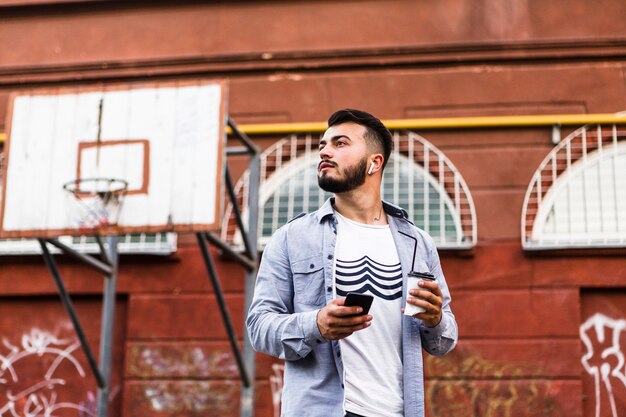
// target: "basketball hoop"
[[101, 199]]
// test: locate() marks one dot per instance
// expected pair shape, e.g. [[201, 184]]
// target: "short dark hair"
[[375, 130]]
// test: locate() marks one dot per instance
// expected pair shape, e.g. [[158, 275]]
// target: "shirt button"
[[341, 385], [329, 289], [330, 256], [312, 266], [339, 354]]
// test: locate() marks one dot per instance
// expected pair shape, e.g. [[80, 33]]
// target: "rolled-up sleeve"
[[442, 338]]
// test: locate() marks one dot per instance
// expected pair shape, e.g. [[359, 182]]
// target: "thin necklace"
[[380, 212]]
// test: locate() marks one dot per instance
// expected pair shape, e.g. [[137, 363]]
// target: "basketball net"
[[100, 201]]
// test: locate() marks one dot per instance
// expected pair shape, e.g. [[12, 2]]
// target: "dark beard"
[[354, 177]]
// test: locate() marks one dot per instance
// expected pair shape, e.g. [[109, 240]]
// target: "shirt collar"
[[390, 209]]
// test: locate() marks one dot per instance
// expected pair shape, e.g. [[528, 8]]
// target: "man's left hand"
[[429, 297]]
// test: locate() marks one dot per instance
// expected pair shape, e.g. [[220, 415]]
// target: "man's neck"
[[361, 207]]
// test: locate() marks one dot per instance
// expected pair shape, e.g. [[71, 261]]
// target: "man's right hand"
[[335, 321]]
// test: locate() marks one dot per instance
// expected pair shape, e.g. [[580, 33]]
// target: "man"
[[338, 361]]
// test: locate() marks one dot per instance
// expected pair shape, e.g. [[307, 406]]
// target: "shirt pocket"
[[308, 281]]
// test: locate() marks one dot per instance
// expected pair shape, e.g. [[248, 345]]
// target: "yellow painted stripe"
[[450, 123], [507, 121], [281, 128], [443, 123]]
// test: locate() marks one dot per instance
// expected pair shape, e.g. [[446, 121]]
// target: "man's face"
[[343, 153]]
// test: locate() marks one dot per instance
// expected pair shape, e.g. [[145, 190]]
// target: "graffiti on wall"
[[473, 386], [184, 398], [603, 359], [276, 385], [24, 394], [460, 394]]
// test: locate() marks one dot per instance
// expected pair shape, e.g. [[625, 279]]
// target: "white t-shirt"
[[366, 261]]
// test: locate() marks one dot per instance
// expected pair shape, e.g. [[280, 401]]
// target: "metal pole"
[[243, 138], [233, 198], [241, 259], [247, 393], [103, 253], [106, 333], [237, 150], [219, 296], [249, 356], [69, 307], [89, 260]]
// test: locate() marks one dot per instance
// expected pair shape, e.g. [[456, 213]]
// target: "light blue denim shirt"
[[295, 281]]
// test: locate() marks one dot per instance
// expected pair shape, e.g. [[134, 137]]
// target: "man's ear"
[[376, 164]]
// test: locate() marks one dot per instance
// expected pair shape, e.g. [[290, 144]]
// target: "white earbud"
[[369, 172]]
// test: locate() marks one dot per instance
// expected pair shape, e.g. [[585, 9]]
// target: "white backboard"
[[166, 140]]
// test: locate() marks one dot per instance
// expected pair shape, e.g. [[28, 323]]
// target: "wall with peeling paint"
[[541, 334]]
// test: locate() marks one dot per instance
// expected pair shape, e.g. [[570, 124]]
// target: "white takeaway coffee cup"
[[411, 282]]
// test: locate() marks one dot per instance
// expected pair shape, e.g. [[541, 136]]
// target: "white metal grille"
[[577, 197], [139, 243], [418, 177]]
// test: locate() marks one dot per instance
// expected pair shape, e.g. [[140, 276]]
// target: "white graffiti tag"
[[37, 396], [276, 384], [604, 360]]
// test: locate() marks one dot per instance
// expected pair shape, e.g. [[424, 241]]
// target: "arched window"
[[436, 197], [577, 198]]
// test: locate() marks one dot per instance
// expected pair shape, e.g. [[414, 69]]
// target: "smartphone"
[[362, 300]]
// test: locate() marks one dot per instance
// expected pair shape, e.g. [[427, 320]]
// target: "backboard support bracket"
[[248, 260], [101, 371]]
